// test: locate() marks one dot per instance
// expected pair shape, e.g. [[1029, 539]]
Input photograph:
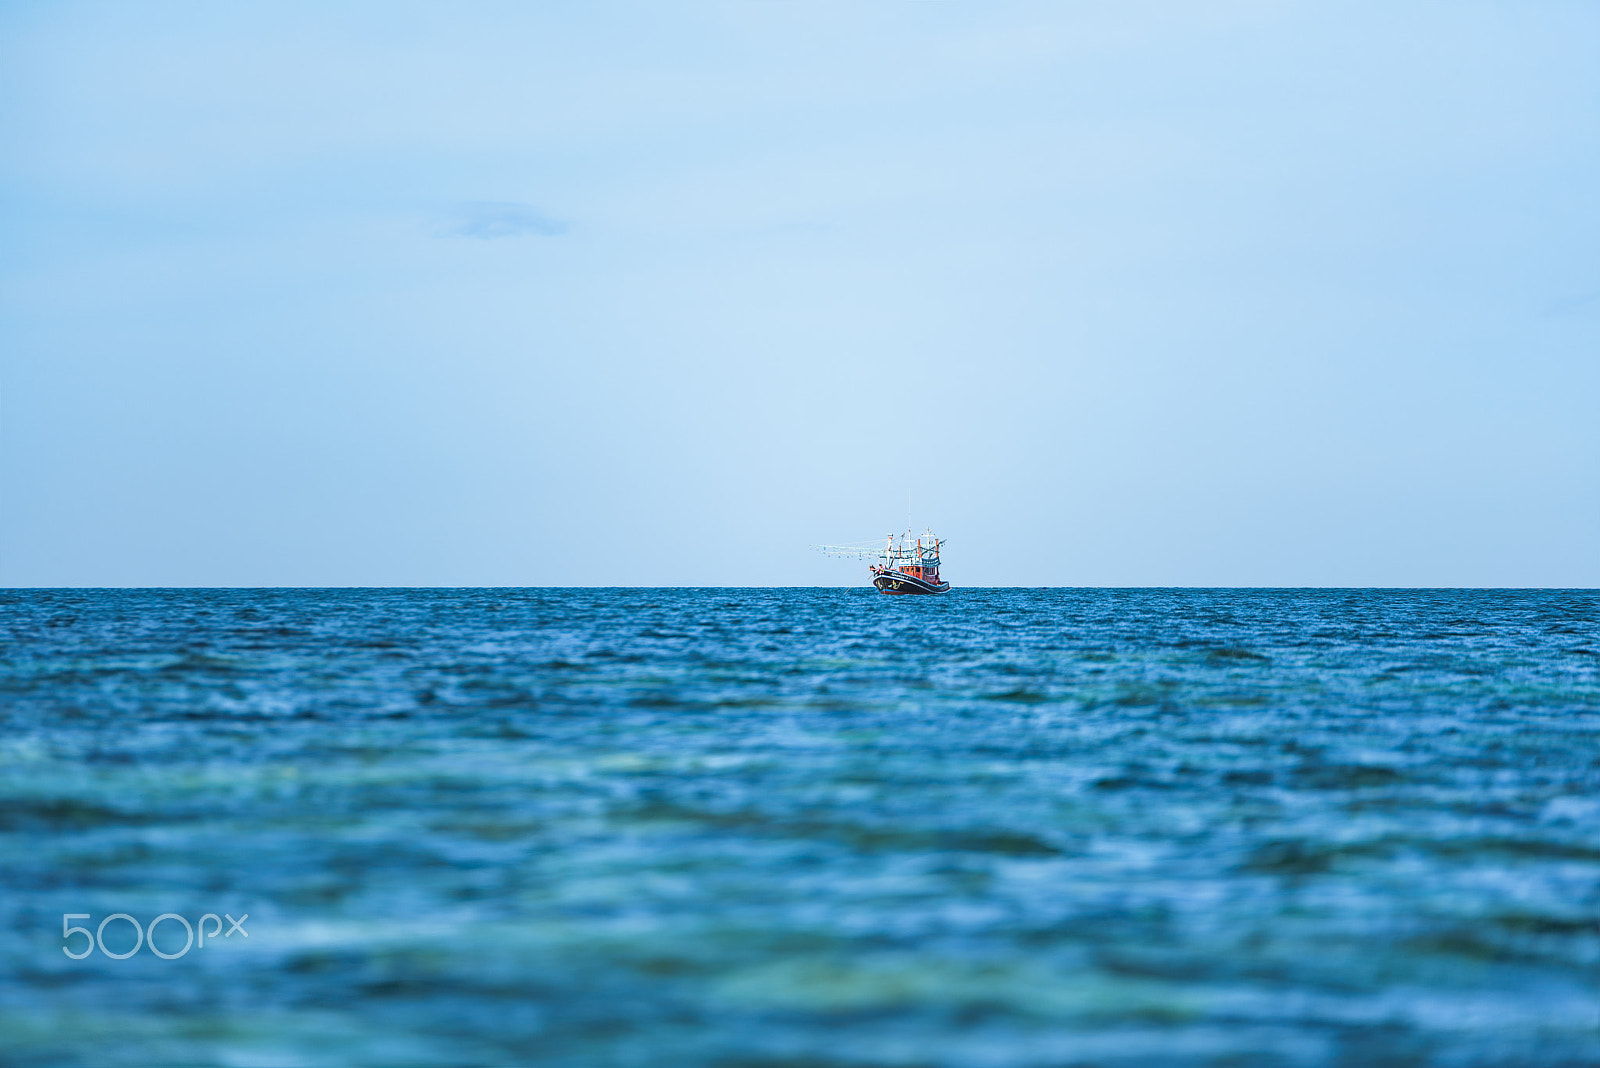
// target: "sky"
[[1242, 293]]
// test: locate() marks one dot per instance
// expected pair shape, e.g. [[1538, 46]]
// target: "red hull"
[[907, 583]]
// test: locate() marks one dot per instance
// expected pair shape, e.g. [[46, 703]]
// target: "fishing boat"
[[907, 563]]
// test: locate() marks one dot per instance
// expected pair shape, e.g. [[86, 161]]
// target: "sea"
[[774, 828]]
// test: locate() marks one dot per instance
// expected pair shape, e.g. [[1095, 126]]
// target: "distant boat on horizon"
[[907, 564]]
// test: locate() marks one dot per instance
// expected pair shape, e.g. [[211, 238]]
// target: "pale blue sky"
[[1247, 293]]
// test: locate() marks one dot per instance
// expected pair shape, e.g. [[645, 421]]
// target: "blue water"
[[803, 827]]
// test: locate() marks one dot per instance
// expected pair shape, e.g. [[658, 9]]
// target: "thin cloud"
[[487, 220], [1574, 304]]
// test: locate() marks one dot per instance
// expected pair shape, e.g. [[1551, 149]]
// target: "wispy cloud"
[[1574, 304], [488, 219]]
